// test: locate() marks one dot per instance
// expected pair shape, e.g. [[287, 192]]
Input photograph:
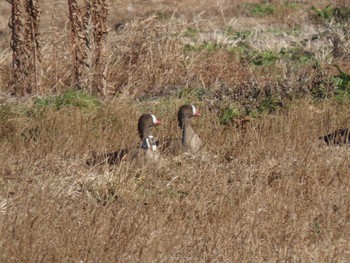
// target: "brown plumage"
[[146, 151], [338, 137], [189, 142]]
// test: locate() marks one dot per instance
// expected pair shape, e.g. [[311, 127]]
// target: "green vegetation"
[[257, 58], [161, 15], [335, 87], [259, 9], [191, 32], [6, 112], [266, 91], [235, 35], [342, 13], [270, 104], [297, 54], [265, 58], [339, 13], [228, 114], [319, 92], [268, 57], [325, 13], [207, 46], [317, 229], [342, 82], [247, 54], [69, 98], [292, 5]]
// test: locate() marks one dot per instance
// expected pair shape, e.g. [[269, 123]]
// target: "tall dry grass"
[[271, 193], [148, 54]]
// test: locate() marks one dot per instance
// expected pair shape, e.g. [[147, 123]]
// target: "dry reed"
[[262, 190], [271, 193]]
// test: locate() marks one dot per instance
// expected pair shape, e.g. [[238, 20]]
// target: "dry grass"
[[148, 55], [269, 193]]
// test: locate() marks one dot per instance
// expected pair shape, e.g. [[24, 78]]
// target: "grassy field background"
[[267, 192]]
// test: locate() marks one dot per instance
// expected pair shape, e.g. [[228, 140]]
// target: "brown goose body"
[[139, 154], [189, 141], [337, 137]]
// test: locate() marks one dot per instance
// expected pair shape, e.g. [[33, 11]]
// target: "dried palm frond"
[[32, 44], [79, 42], [99, 18], [17, 40], [25, 46]]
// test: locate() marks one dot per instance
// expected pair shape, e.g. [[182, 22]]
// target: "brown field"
[[269, 192]]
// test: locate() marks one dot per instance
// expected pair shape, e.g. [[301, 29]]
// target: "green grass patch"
[[206, 46], [256, 9], [269, 104], [297, 54], [265, 58], [338, 13], [161, 15], [342, 13], [326, 13], [6, 112], [228, 114], [292, 6], [342, 83], [236, 35], [336, 88], [191, 32], [69, 98], [319, 92]]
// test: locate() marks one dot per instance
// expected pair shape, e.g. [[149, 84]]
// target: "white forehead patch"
[[194, 110], [154, 119]]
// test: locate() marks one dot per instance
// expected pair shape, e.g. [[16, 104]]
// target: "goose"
[[147, 151], [189, 142], [337, 137]]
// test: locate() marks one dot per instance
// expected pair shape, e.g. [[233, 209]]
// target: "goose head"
[[145, 123], [186, 113]]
